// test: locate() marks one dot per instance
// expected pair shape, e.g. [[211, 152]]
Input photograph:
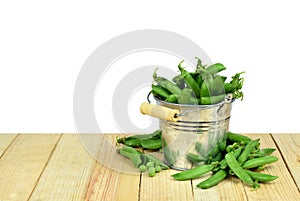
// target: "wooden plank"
[[290, 149], [163, 187], [282, 188], [23, 163], [5, 140], [68, 172], [111, 179]]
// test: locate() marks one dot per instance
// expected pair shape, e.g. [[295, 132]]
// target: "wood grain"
[[55, 167], [68, 172], [290, 149], [114, 177], [163, 187], [5, 140], [23, 163]]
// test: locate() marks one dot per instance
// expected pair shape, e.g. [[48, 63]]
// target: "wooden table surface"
[[53, 167]]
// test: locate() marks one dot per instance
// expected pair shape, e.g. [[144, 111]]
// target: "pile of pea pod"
[[204, 86], [235, 155], [134, 147]]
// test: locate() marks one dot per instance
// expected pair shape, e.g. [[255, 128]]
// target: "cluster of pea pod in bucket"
[[189, 129]]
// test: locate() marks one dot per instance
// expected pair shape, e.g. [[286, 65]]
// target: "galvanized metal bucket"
[[189, 129]]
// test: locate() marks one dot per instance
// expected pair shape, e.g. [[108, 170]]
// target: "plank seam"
[[46, 164], [9, 145], [140, 187], [285, 162]]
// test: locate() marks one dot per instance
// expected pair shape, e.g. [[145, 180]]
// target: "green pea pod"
[[248, 149], [193, 173], [228, 88], [168, 85], [217, 87], [212, 99], [213, 180], [215, 68], [199, 80], [204, 91], [157, 90], [151, 144], [149, 157], [256, 162], [198, 147], [257, 176], [189, 80], [169, 155], [234, 137], [133, 143], [194, 158], [134, 156], [179, 80], [155, 135], [237, 169], [172, 99], [236, 153], [187, 98], [266, 151], [217, 157]]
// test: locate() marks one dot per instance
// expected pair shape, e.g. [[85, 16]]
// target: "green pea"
[[157, 168], [252, 163], [261, 177], [213, 180], [193, 173], [142, 168], [149, 164], [237, 169], [151, 171], [153, 159]]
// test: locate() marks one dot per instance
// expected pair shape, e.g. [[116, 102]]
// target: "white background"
[[43, 46]]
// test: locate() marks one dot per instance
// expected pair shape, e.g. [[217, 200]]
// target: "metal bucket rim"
[[194, 106]]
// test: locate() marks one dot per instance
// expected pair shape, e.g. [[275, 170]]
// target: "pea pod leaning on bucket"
[[203, 86]]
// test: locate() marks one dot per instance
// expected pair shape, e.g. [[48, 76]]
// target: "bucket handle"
[[160, 112]]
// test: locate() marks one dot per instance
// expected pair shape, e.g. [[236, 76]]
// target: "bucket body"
[[195, 134]]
